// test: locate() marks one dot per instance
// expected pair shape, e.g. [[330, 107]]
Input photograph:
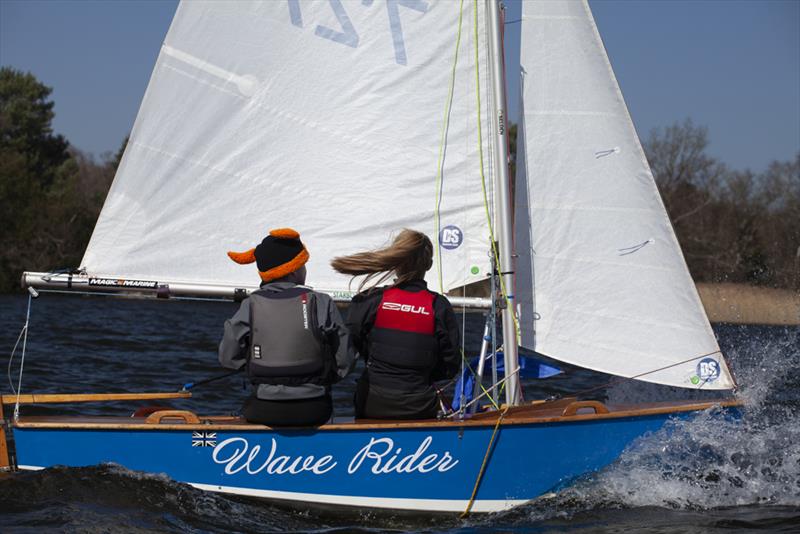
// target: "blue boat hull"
[[413, 467]]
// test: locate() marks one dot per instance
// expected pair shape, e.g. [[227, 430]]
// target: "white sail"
[[607, 287], [324, 116]]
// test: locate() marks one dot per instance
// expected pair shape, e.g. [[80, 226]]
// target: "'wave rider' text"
[[379, 455]]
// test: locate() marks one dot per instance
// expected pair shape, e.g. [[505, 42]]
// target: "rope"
[[11, 361], [496, 254], [442, 142], [501, 384], [24, 335], [189, 385], [439, 169], [486, 456], [634, 377], [455, 379], [483, 388]]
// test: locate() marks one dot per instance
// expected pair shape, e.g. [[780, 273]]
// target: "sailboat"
[[348, 120]]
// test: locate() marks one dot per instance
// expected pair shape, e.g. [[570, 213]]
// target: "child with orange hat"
[[291, 339]]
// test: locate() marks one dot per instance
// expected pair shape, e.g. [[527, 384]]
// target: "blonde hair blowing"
[[408, 257]]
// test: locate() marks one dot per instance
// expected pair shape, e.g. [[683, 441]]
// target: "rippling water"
[[701, 475]]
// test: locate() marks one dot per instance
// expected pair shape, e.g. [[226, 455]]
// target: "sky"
[[732, 66]]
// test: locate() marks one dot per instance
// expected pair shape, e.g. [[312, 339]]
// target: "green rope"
[[442, 142], [503, 289], [475, 374]]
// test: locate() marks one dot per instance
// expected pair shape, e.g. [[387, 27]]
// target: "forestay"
[[608, 288], [327, 117]]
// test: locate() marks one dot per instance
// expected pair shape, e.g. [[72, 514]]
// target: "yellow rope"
[[442, 136], [483, 465], [437, 222], [503, 290], [471, 370], [442, 142]]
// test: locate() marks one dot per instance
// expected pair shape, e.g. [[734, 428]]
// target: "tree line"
[[733, 226], [51, 193]]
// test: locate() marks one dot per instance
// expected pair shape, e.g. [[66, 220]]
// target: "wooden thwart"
[[52, 398]]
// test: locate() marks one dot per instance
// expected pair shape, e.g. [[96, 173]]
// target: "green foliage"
[[25, 116], [51, 194]]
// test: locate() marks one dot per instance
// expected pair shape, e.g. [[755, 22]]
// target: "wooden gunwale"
[[521, 415], [55, 398], [4, 460]]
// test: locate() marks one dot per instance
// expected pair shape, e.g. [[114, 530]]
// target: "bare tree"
[[732, 225]]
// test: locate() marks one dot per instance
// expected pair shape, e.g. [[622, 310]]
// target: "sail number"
[[347, 35]]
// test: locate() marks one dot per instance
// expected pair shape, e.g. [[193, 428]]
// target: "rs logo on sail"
[[408, 308]]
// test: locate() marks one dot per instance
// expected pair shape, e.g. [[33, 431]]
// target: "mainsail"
[[601, 279], [335, 118]]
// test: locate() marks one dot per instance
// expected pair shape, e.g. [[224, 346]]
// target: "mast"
[[503, 205]]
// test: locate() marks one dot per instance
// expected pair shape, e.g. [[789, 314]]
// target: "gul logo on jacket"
[[406, 311], [406, 308]]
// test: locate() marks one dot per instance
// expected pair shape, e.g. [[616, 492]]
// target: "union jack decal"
[[204, 439]]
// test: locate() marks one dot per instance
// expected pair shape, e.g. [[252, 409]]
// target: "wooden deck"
[[560, 411]]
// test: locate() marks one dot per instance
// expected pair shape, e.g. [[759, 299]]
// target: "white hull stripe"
[[428, 505]]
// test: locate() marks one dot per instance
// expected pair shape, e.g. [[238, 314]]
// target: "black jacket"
[[394, 391]]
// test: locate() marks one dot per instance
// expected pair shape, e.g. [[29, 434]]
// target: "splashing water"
[[709, 461]]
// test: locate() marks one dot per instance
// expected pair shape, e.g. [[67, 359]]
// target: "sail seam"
[[592, 208], [567, 112], [550, 17], [626, 318], [557, 257]]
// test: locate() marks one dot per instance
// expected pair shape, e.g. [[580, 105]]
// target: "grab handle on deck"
[[188, 417], [573, 407]]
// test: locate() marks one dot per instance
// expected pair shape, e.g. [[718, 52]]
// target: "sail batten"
[[601, 281]]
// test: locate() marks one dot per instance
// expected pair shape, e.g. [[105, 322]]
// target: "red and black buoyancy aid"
[[286, 344], [402, 336]]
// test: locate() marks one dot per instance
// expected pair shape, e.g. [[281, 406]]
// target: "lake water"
[[702, 475]]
